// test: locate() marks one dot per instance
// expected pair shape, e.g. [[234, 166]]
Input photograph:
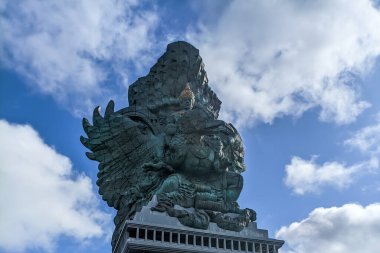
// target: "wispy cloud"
[[349, 228], [41, 199], [76, 51], [266, 59], [367, 140]]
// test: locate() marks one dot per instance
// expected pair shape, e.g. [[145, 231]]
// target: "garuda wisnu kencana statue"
[[170, 144]]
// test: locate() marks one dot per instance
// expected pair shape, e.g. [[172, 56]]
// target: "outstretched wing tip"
[[85, 141], [96, 117], [109, 109], [86, 125], [90, 155]]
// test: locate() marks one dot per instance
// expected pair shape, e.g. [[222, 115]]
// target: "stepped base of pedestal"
[[157, 232]]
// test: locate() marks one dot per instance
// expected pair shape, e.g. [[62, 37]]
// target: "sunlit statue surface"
[[169, 143]]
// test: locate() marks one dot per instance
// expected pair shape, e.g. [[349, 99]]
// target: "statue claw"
[[162, 206]]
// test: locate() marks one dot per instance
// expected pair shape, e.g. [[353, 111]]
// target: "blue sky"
[[300, 79]]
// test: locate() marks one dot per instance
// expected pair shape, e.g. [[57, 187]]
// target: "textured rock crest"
[[181, 64]]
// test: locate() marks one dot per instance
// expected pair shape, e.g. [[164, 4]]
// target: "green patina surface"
[[169, 143]]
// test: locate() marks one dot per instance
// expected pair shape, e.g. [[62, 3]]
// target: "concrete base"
[[151, 231]]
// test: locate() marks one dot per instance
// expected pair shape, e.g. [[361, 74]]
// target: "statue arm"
[[234, 186], [160, 166]]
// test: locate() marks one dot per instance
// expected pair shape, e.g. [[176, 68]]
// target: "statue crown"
[[187, 92]]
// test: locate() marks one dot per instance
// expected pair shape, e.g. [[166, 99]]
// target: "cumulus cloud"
[[349, 228], [266, 59], [41, 198], [306, 176], [72, 49]]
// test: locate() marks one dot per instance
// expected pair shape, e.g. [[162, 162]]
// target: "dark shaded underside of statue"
[[169, 143]]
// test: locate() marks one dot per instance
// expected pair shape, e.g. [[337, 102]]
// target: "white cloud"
[[349, 228], [68, 49], [367, 140], [41, 199], [266, 59], [306, 176]]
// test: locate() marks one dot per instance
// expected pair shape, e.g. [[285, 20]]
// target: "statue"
[[169, 143]]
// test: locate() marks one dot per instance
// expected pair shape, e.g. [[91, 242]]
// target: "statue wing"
[[122, 144]]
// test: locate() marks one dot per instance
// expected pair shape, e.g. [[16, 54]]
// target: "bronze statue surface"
[[169, 143]]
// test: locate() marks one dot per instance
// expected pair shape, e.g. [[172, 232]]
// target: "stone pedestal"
[[157, 232]]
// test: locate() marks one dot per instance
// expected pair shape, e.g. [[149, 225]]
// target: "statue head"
[[187, 98], [214, 142], [176, 150]]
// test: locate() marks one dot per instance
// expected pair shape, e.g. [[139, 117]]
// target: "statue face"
[[214, 142], [187, 103], [171, 129], [176, 152]]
